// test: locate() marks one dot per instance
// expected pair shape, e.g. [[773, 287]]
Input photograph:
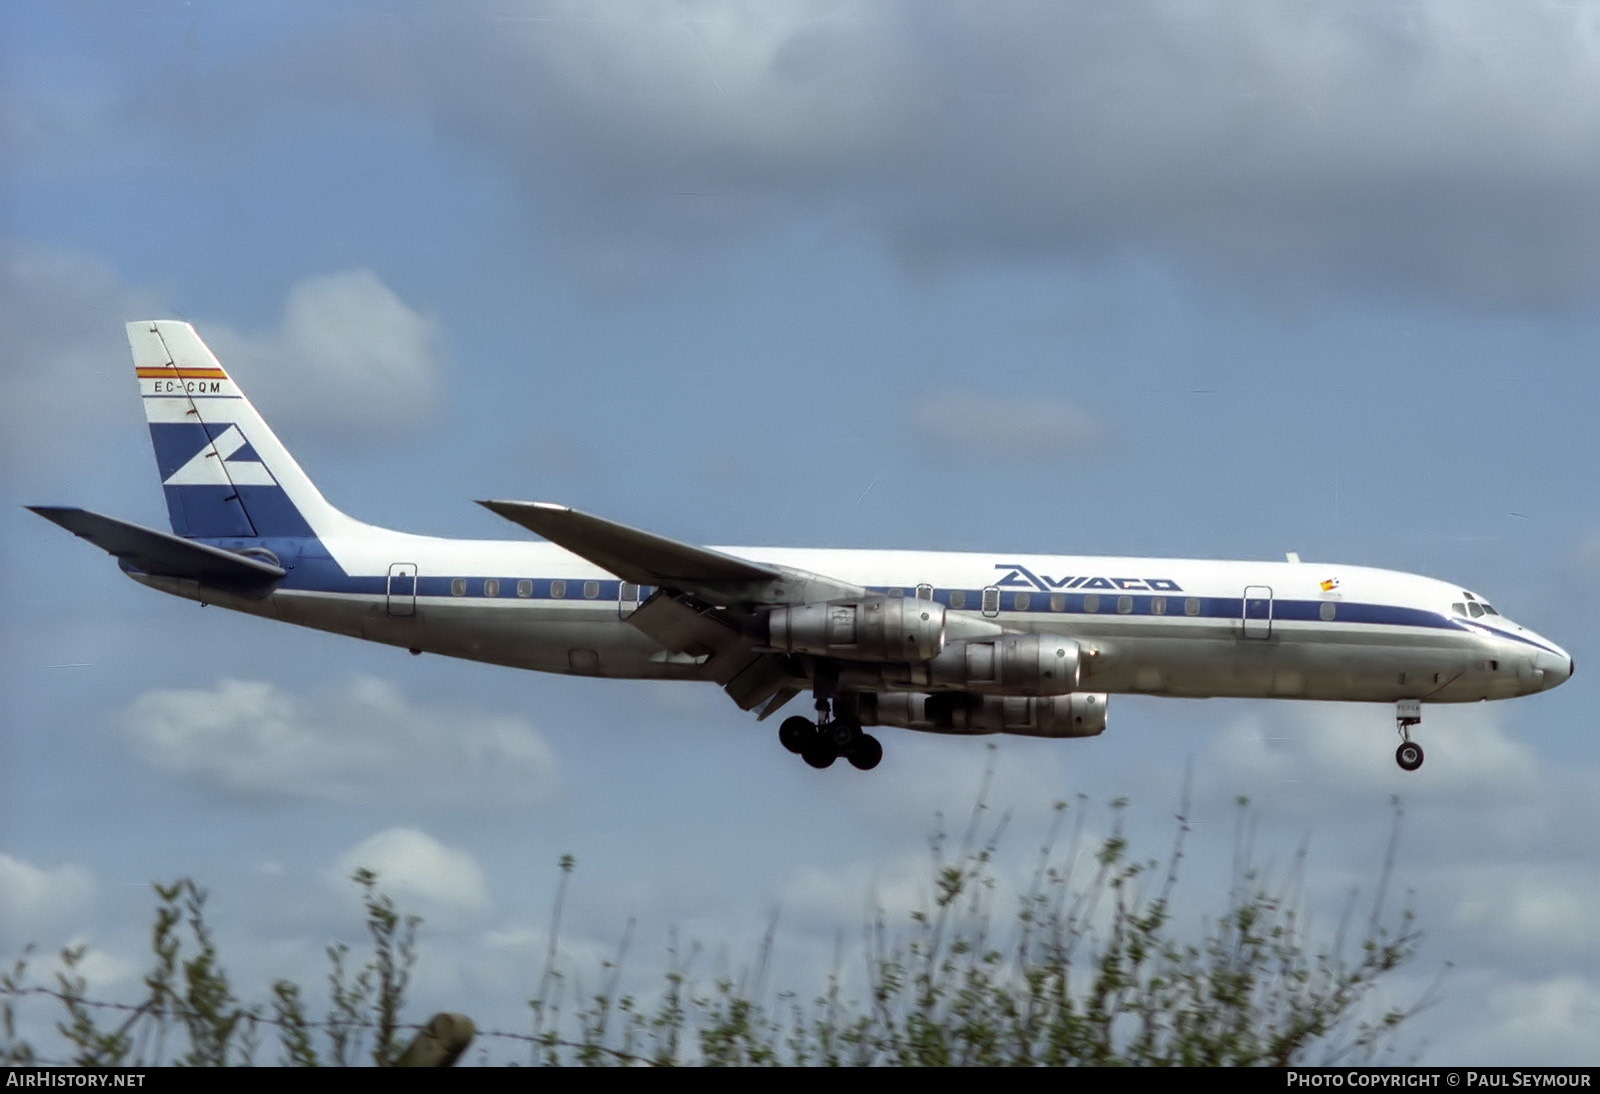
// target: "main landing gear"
[[821, 742], [1407, 714], [835, 733]]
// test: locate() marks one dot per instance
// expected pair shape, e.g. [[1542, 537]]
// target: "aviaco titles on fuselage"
[[947, 643]]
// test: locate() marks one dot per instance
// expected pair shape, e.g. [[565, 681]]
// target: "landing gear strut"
[[1407, 714]]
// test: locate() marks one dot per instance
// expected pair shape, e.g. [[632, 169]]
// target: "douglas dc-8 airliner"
[[947, 643]]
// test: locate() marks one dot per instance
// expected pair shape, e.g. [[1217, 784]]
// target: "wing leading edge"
[[632, 554]]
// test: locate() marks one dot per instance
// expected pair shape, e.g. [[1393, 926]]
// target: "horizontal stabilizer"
[[165, 555], [631, 554]]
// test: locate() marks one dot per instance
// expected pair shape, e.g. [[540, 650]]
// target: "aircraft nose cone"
[[1556, 667]]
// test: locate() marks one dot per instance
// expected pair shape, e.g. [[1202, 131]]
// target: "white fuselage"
[[1178, 627]]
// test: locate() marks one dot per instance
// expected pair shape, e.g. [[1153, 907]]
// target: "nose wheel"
[[1409, 754]]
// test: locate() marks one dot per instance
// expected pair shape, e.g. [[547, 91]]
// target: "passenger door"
[[401, 591], [1256, 611]]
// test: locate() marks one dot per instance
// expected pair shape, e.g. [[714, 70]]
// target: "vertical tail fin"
[[225, 474]]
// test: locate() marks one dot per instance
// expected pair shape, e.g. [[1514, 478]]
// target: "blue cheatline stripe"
[[311, 570], [313, 574]]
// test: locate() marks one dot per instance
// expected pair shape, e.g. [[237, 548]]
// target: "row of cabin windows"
[[1020, 602], [558, 589]]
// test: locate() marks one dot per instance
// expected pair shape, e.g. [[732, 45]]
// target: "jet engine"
[[1011, 664], [879, 628], [1015, 664], [1081, 714]]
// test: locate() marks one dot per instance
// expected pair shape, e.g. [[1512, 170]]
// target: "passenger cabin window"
[[1329, 610], [1124, 604], [524, 588], [458, 587], [1158, 605], [1020, 601], [491, 586], [1191, 606], [1091, 603], [958, 598], [991, 601], [558, 589], [897, 592], [1058, 602], [591, 589]]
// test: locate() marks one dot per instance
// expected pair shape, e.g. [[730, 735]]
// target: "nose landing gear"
[[1408, 713]]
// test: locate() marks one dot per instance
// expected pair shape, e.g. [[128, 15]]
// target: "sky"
[[1152, 278]]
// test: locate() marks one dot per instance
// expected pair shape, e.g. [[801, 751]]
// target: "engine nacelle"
[[1081, 714], [1013, 664], [879, 628]]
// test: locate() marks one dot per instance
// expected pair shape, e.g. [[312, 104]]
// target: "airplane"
[[958, 643]]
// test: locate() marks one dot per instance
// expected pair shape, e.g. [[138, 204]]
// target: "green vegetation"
[[1092, 968]]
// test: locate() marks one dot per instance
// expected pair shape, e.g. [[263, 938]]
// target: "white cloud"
[[350, 357], [1536, 906], [362, 742], [419, 871], [1550, 1020], [37, 899], [1449, 146]]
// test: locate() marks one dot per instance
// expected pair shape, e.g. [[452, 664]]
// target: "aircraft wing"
[[694, 586], [633, 555], [166, 555]]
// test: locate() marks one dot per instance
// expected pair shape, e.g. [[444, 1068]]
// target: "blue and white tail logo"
[[221, 463], [225, 474]]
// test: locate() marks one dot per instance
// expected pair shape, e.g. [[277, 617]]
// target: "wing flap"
[[633, 555], [678, 627], [750, 680], [166, 555]]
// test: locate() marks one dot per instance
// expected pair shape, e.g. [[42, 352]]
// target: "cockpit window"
[[1459, 609], [1472, 606], [1488, 608]]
